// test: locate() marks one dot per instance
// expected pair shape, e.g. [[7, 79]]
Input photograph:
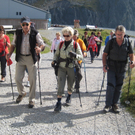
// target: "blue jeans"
[[114, 85]]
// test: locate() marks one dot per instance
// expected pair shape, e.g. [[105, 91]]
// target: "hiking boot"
[[57, 107], [31, 104], [20, 97], [115, 108], [107, 109], [68, 101]]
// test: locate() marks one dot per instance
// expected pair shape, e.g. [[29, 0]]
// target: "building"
[[76, 24], [12, 11]]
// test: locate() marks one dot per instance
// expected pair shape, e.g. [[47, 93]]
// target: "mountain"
[[102, 13]]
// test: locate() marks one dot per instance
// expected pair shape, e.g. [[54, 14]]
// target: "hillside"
[[103, 13]]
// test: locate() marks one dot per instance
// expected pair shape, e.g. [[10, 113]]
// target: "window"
[[20, 13], [16, 13]]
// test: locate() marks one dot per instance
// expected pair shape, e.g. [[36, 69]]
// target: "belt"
[[25, 54]]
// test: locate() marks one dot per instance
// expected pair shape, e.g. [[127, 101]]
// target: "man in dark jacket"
[[25, 41], [117, 51]]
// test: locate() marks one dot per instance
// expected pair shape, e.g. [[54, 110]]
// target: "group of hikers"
[[67, 61]]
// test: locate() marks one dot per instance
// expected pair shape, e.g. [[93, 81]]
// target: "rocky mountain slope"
[[103, 13]]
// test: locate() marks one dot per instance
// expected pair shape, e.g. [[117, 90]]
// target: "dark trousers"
[[3, 66], [98, 51], [92, 54], [114, 85], [54, 51]]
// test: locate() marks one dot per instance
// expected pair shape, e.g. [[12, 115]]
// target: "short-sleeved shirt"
[[116, 52]]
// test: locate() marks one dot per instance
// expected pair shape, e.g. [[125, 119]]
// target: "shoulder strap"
[[127, 39], [111, 45], [61, 44], [75, 45]]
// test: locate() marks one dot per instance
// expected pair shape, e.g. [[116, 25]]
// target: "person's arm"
[[11, 48], [132, 64], [104, 59], [40, 43]]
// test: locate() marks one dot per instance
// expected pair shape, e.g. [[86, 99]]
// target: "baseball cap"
[[25, 19]]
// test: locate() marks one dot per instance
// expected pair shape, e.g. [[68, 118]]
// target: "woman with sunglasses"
[[67, 52], [4, 44]]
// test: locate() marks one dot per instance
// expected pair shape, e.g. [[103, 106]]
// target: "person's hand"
[[84, 54], [53, 63], [105, 68], [8, 56], [72, 54], [132, 64], [38, 49]]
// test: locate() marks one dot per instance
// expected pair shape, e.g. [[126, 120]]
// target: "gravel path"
[[73, 120]]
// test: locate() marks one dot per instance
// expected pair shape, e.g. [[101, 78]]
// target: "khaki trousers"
[[63, 74], [23, 63]]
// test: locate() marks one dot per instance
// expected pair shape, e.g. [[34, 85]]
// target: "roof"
[[31, 6]]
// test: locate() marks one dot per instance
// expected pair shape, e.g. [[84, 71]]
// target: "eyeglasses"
[[66, 35], [25, 24]]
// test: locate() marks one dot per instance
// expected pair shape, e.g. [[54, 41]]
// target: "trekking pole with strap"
[[85, 76], [129, 72], [39, 80], [11, 79], [9, 62], [77, 83], [101, 87]]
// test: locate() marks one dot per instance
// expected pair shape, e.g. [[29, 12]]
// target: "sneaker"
[[57, 107], [107, 109], [20, 97], [115, 108], [63, 95], [68, 101], [91, 61], [31, 104], [3, 79], [28, 84]]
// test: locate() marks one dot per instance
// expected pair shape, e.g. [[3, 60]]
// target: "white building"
[[12, 11]]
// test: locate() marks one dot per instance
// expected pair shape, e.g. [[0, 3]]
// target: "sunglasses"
[[25, 24], [66, 35]]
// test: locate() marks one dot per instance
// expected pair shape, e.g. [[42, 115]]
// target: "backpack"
[[112, 40], [92, 41], [62, 42]]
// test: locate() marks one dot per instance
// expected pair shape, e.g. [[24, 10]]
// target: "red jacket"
[[92, 44], [3, 45]]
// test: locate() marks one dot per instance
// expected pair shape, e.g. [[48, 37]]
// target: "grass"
[[131, 96]]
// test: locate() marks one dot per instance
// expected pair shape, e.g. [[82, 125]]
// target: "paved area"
[[18, 119]]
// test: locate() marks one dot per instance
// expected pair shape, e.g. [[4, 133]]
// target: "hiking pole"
[[77, 83], [11, 80], [85, 75], [101, 87], [39, 80], [127, 101]]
